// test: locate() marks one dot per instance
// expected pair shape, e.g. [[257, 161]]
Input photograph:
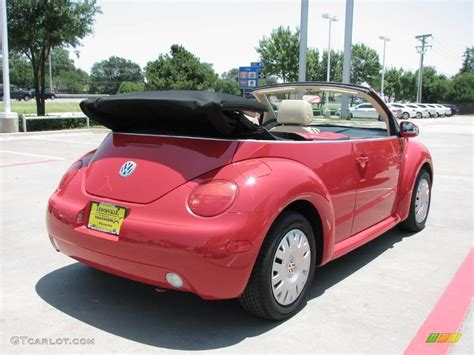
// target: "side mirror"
[[409, 129]]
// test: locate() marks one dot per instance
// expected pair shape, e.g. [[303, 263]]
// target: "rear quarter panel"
[[322, 173]]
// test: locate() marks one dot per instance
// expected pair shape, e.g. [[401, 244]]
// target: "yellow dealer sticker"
[[106, 217]]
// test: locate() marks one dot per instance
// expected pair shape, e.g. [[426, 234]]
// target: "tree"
[[468, 62], [335, 72], [365, 64], [229, 86], [392, 82], [129, 86], [313, 65], [231, 74], [179, 70], [461, 88], [66, 77], [408, 86], [434, 85], [279, 53], [21, 74], [107, 75], [37, 26]]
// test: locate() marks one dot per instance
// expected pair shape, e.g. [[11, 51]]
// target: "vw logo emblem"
[[127, 168]]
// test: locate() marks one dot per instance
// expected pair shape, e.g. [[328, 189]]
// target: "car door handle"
[[362, 160]]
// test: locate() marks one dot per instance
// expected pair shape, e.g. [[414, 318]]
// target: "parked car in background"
[[216, 227], [431, 110], [454, 108], [48, 94], [421, 112], [439, 112], [446, 110], [364, 110], [17, 93], [396, 111], [407, 112]]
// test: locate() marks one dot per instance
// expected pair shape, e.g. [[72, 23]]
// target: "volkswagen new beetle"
[[229, 197]]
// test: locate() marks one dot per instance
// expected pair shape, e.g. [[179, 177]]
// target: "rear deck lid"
[[160, 164]]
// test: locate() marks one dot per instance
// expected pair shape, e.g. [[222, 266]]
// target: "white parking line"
[[32, 155]]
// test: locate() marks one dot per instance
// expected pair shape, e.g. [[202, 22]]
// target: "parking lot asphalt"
[[373, 300]]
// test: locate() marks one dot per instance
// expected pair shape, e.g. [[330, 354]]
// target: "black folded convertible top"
[[177, 112]]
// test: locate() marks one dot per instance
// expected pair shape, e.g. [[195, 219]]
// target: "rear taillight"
[[212, 198], [69, 174], [74, 168]]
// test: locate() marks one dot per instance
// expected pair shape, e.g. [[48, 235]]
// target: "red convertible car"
[[229, 197]]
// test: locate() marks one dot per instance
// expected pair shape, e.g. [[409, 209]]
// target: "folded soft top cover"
[[177, 112]]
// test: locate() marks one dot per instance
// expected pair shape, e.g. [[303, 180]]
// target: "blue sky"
[[225, 33]]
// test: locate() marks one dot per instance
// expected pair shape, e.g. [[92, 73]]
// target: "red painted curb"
[[28, 163], [449, 313]]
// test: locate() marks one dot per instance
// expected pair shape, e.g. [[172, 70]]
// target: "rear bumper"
[[146, 250]]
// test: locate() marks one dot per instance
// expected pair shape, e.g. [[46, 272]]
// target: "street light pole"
[[303, 40], [8, 119], [385, 39], [328, 75], [346, 69], [330, 19]]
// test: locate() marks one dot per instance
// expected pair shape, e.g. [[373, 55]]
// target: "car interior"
[[315, 114]]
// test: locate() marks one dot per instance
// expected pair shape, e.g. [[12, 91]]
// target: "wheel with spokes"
[[284, 269], [420, 204]]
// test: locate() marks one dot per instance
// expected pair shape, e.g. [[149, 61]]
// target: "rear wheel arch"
[[310, 212]]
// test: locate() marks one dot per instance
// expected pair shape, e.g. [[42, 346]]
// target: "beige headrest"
[[295, 112]]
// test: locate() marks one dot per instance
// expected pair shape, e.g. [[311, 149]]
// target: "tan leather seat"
[[294, 116]]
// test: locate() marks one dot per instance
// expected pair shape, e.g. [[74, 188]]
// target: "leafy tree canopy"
[[279, 53], [107, 75], [468, 62], [129, 86], [365, 64], [229, 86], [35, 27], [179, 69]]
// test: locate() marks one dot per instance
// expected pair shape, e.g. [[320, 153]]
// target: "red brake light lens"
[[69, 174], [212, 198]]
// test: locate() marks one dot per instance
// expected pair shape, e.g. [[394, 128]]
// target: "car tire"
[[53, 97], [419, 115], [436, 115], [26, 98], [420, 203], [406, 115], [267, 294]]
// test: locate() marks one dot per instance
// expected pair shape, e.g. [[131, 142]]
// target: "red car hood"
[[162, 164]]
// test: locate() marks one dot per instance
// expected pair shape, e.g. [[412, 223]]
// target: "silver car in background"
[[447, 111], [431, 110], [439, 112], [407, 112], [421, 112]]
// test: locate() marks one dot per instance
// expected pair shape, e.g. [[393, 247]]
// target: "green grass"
[[29, 108]]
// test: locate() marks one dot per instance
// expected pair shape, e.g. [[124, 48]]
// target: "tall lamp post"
[[328, 76], [385, 39], [8, 119]]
